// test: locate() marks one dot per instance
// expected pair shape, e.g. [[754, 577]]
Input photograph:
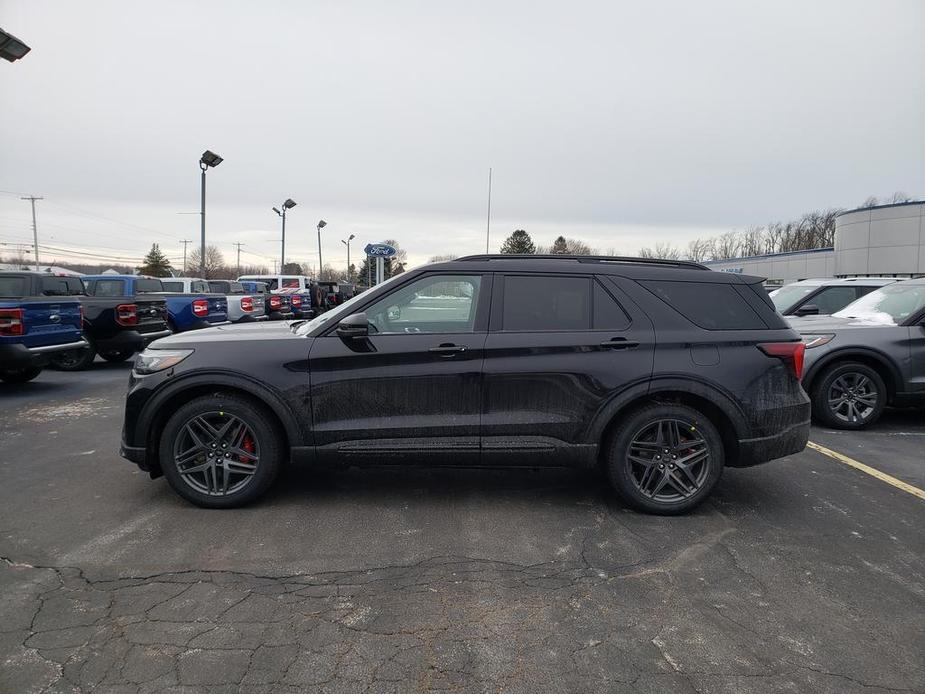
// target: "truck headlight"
[[153, 360], [811, 340]]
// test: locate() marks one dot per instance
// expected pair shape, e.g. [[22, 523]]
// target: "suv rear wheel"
[[220, 451], [848, 395], [666, 459], [23, 375], [75, 359]]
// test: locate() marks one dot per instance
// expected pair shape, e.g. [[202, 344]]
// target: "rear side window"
[[608, 314], [546, 303], [13, 286], [711, 306]]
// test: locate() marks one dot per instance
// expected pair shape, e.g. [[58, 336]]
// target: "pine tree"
[[559, 246], [155, 263], [519, 242]]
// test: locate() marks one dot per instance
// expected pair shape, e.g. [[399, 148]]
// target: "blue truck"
[[34, 325], [184, 311]]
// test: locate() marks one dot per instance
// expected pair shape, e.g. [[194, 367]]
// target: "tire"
[[204, 487], [23, 375], [647, 481], [74, 360], [848, 395], [116, 357]]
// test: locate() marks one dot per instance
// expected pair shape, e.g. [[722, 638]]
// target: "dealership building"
[[882, 241]]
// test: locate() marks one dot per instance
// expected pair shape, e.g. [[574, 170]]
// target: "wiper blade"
[[295, 324]]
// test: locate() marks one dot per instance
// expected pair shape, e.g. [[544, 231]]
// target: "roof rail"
[[589, 259]]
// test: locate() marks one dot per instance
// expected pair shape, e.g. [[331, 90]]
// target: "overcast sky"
[[622, 123]]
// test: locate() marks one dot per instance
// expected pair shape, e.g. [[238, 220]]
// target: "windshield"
[[785, 297], [890, 305], [335, 314]]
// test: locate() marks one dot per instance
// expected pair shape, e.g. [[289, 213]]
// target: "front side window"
[[173, 286], [290, 283], [890, 305], [199, 288], [148, 285], [535, 303], [432, 304], [832, 299]]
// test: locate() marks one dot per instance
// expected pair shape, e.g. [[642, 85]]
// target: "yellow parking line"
[[873, 472]]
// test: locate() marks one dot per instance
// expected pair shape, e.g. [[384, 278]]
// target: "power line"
[[35, 231]]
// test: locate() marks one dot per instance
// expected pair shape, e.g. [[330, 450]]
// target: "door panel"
[[413, 386], [543, 389]]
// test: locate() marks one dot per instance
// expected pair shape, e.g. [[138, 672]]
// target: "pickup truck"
[[115, 327], [184, 311], [243, 307], [34, 325], [277, 306], [305, 294]]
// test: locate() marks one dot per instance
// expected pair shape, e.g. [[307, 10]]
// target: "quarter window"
[[434, 304], [709, 305]]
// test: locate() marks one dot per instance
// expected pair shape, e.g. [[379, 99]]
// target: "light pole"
[[205, 161], [347, 244], [288, 205], [321, 225]]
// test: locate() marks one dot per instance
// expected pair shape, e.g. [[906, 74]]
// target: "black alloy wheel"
[[666, 459]]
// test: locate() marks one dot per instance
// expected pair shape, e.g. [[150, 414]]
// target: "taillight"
[[247, 303], [276, 302], [127, 314], [790, 352], [201, 307], [296, 300], [11, 321]]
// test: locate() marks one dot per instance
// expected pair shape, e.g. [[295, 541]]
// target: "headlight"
[[152, 360], [816, 340]]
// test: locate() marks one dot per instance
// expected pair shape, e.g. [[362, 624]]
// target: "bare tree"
[[726, 245], [698, 249], [900, 196], [329, 274], [442, 258], [663, 250], [871, 201], [215, 263]]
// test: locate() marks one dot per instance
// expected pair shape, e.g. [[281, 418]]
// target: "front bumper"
[[18, 356], [766, 448]]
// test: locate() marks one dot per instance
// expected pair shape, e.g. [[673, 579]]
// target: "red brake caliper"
[[248, 445]]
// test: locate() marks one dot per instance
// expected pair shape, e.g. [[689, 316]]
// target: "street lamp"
[[347, 244], [11, 48], [321, 225], [207, 159], [288, 205]]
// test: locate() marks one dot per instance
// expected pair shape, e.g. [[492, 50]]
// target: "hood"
[[273, 330], [831, 324]]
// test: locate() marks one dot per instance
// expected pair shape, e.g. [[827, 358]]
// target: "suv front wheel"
[[666, 459], [220, 451], [848, 395]]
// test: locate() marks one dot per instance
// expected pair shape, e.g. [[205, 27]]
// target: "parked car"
[[115, 327], [306, 297], [276, 306], [868, 355], [184, 311], [662, 373], [34, 324], [242, 306], [823, 297]]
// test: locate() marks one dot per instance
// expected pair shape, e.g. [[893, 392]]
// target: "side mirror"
[[808, 310], [353, 326]]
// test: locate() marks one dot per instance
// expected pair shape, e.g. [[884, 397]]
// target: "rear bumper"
[[18, 355], [248, 318], [201, 323], [282, 315], [766, 448], [129, 339]]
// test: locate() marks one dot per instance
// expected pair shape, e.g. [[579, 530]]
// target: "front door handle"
[[448, 350], [619, 343]]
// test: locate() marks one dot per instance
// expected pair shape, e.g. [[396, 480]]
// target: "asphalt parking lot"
[[802, 575]]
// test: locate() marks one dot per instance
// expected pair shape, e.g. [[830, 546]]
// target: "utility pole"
[[488, 227], [239, 256], [185, 242], [35, 231]]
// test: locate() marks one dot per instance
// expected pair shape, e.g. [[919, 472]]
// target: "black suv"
[[662, 373]]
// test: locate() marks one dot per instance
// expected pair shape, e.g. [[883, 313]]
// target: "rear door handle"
[[619, 343], [448, 350]]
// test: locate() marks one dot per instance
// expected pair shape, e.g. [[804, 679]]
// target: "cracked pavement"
[[802, 575]]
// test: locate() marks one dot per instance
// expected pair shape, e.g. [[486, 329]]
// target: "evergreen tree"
[[155, 263], [559, 246], [519, 242]]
